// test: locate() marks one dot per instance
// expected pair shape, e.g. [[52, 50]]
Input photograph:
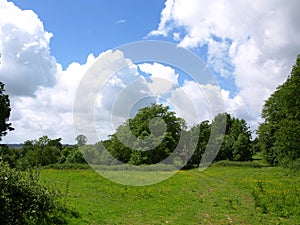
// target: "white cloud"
[[197, 102], [121, 21], [163, 78], [165, 15], [176, 36], [49, 111], [42, 93], [256, 42], [26, 62]]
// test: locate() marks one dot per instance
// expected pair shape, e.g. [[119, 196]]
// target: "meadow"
[[219, 195]]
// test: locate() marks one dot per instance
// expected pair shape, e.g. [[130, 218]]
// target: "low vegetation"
[[23, 200], [218, 195]]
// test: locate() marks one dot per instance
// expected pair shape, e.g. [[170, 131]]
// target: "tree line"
[[190, 144], [279, 134], [157, 134], [136, 143]]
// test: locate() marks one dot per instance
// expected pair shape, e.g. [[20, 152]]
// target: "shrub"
[[75, 157], [23, 200], [293, 165]]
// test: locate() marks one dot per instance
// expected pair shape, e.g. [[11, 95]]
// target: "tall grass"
[[227, 163]]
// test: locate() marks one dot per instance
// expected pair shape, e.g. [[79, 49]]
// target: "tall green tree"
[[81, 140], [41, 152], [279, 135], [241, 149], [236, 143], [4, 112], [148, 138], [203, 133]]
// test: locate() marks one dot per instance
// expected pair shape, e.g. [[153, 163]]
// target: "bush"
[[293, 165], [75, 157], [24, 201]]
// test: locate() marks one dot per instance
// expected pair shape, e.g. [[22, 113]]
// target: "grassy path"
[[219, 195]]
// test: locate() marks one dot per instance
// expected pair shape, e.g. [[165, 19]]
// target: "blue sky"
[[80, 29], [48, 46], [93, 26]]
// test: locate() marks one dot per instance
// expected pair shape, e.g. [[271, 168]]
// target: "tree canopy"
[[235, 139], [279, 135], [81, 140], [148, 138], [140, 139], [4, 112]]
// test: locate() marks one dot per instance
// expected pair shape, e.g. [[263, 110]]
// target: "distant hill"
[[17, 146]]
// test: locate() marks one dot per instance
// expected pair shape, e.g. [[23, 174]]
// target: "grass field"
[[218, 195]]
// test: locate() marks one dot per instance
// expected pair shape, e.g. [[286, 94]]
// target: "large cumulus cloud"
[[26, 61], [253, 42]]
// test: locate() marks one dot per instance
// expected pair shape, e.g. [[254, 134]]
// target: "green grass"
[[219, 195], [225, 163], [68, 166]]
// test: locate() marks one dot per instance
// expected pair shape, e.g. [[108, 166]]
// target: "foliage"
[[226, 163], [41, 152], [24, 201], [67, 166], [4, 112], [241, 148], [81, 140], [96, 154], [148, 138], [10, 155], [235, 139], [236, 144], [293, 165], [144, 131], [75, 157], [255, 145], [279, 135], [203, 131]]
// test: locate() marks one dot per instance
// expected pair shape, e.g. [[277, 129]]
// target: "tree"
[[75, 157], [242, 148], [217, 132], [41, 152], [81, 140], [203, 131], [279, 135], [4, 112], [9, 155], [241, 134], [236, 143], [154, 132]]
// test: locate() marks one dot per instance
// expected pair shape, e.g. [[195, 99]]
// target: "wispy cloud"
[[121, 21]]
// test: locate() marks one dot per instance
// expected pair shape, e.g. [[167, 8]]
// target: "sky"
[[48, 46]]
